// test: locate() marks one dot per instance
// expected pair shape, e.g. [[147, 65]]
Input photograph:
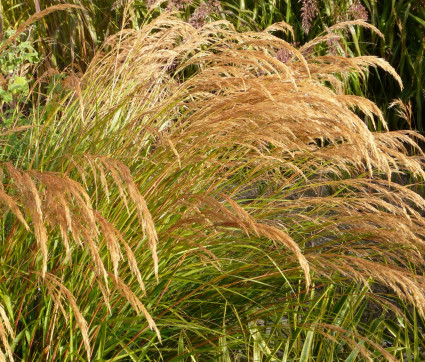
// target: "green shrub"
[[13, 77]]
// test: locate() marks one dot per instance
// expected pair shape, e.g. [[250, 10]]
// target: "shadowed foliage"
[[192, 197]]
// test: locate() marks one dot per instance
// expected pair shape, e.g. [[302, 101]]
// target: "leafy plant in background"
[[14, 82], [165, 214], [16, 66]]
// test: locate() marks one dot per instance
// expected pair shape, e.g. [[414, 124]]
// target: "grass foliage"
[[70, 38], [190, 197], [401, 21]]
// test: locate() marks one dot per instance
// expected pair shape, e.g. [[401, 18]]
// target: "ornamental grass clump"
[[192, 197]]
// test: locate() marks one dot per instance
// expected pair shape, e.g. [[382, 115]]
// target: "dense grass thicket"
[[198, 193], [69, 39]]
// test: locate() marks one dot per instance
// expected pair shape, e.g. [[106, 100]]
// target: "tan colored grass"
[[220, 216], [241, 119], [28, 190], [137, 305], [243, 98], [58, 292], [58, 201], [329, 34], [5, 330], [114, 239], [123, 180], [342, 335]]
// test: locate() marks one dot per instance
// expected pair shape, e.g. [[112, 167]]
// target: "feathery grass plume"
[[11, 204], [5, 329], [136, 304], [28, 190], [271, 198], [122, 178], [113, 239], [330, 36], [220, 216], [364, 352], [58, 291]]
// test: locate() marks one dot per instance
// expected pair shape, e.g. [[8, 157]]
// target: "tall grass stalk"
[[192, 197], [402, 22]]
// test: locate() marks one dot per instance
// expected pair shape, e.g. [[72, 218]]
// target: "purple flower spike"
[[309, 11]]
